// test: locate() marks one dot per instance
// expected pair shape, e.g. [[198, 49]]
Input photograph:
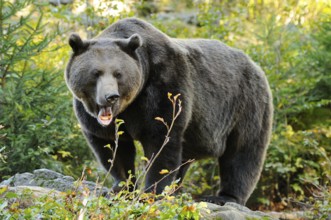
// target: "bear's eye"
[[117, 74], [96, 73]]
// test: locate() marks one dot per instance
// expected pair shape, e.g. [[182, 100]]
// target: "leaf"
[[3, 189], [169, 95], [107, 146], [145, 159], [89, 170], [164, 171], [11, 195], [170, 198], [120, 133], [176, 96], [297, 188], [150, 201], [65, 154], [159, 119], [119, 121]]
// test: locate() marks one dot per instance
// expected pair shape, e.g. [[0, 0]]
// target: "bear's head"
[[104, 74]]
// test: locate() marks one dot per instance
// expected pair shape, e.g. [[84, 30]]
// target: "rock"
[[52, 180], [232, 211], [47, 182], [34, 192], [295, 215], [59, 2]]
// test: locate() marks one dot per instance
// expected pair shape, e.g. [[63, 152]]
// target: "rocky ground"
[[45, 181]]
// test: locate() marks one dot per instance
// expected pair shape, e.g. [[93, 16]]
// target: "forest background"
[[289, 39]]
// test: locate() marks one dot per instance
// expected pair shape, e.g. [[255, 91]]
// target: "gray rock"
[[52, 180], [59, 2], [232, 211], [54, 183]]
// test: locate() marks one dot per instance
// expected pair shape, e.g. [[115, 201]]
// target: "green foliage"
[[202, 178], [35, 112], [321, 208], [290, 40], [302, 122], [88, 205]]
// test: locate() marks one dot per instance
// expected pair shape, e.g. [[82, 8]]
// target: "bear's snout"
[[112, 97]]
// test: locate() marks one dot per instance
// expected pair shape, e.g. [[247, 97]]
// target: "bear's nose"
[[112, 98]]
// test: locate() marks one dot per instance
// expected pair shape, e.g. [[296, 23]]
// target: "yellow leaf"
[[164, 171], [19, 42], [107, 146], [190, 208], [144, 158], [169, 95], [3, 189], [150, 201], [289, 131], [120, 133], [176, 96], [118, 121], [170, 198], [159, 119], [65, 154]]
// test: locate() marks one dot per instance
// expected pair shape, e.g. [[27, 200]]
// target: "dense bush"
[[38, 125]]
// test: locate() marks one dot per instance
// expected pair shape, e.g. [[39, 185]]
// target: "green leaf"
[[11, 195]]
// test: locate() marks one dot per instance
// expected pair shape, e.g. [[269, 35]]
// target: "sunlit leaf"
[[107, 146], [3, 189], [144, 158], [164, 171]]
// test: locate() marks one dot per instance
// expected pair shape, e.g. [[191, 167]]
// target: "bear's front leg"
[[168, 158], [120, 164]]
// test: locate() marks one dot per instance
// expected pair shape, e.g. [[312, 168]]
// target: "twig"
[[175, 114], [170, 172], [118, 122]]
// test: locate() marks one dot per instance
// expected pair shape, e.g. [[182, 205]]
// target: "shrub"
[[36, 113]]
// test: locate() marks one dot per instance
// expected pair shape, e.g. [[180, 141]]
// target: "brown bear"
[[127, 71]]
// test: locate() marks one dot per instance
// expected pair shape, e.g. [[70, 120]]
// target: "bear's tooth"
[[105, 116]]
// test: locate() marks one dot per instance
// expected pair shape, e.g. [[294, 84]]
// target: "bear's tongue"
[[105, 116]]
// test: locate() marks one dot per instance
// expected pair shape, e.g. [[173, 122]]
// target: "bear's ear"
[[77, 44], [135, 41], [130, 44]]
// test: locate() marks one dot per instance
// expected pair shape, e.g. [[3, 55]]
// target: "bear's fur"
[[127, 71]]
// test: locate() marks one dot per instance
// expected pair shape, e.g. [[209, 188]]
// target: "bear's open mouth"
[[105, 116]]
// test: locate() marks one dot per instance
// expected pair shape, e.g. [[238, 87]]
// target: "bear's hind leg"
[[242, 163], [239, 176]]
